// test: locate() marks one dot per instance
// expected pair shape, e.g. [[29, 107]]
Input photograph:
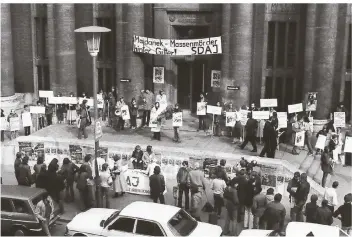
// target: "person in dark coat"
[[2, 131], [345, 211], [37, 167], [133, 113], [232, 205], [251, 133], [324, 214], [274, 214], [60, 111], [157, 186], [311, 209], [220, 170], [17, 163], [25, 175], [258, 208], [55, 182], [242, 183], [269, 138], [326, 165], [68, 170], [184, 183], [292, 187], [81, 179], [84, 120], [42, 177], [301, 196], [137, 154]]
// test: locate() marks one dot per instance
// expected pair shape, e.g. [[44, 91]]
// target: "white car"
[[299, 229], [139, 219]]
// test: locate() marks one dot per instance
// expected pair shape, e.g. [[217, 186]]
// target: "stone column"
[[119, 45], [7, 73], [309, 48], [133, 62], [324, 60], [241, 51], [226, 79], [63, 18]]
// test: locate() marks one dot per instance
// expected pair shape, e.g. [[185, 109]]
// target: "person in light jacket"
[[12, 114], [162, 100], [148, 156], [84, 120], [118, 113], [176, 129], [43, 210], [120, 185], [149, 102]]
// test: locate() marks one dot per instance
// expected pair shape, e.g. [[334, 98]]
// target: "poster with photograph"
[[4, 124], [100, 101], [230, 119], [177, 119], [193, 160], [201, 108], [56, 150], [268, 103], [27, 119], [312, 101], [125, 112], [31, 149], [299, 138], [348, 144], [215, 78], [76, 154], [14, 124], [296, 108], [320, 142], [214, 109], [244, 117], [260, 115], [339, 119], [158, 75], [282, 118]]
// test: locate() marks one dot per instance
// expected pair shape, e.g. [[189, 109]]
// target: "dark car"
[[18, 205]]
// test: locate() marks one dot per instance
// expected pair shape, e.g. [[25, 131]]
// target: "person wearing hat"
[[83, 120], [176, 129], [157, 186], [345, 211]]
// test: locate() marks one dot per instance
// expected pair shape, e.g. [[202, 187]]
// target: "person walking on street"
[[16, 165], [232, 205], [326, 165], [55, 183], [324, 214], [184, 183], [345, 211], [43, 211], [157, 186], [311, 209], [106, 182], [24, 173], [251, 131], [301, 197], [68, 170], [197, 188], [274, 214], [258, 208], [331, 196], [218, 186], [292, 187], [269, 195], [37, 167]]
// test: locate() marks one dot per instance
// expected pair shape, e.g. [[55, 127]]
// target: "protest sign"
[[46, 94], [100, 101], [4, 124], [295, 108], [37, 109], [55, 100], [282, 118], [201, 108], [137, 182], [339, 119], [90, 102], [69, 100], [213, 109], [27, 119], [177, 119], [320, 142], [260, 115], [125, 112], [158, 75], [348, 144], [153, 124], [244, 116], [14, 124], [175, 47], [215, 78], [299, 138], [271, 103], [230, 119], [312, 101]]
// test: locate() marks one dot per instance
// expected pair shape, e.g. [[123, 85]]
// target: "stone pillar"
[[226, 79], [309, 48], [241, 51], [7, 73], [119, 45], [324, 60], [64, 51], [133, 62]]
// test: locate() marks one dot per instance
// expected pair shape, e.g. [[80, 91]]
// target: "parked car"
[[18, 204], [139, 219], [299, 229]]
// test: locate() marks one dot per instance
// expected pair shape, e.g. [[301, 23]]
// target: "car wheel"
[[19, 231]]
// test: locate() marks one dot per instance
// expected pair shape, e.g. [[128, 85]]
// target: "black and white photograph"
[[179, 118]]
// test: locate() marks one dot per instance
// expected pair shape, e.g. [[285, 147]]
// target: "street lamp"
[[92, 35]]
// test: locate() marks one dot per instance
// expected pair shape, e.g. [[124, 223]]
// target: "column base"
[[319, 124], [16, 101]]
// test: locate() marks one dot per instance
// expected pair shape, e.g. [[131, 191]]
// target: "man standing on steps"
[[251, 131]]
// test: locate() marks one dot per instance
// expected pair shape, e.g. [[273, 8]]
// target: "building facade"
[[278, 51]]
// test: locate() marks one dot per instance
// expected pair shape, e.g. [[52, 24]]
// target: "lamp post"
[[92, 34]]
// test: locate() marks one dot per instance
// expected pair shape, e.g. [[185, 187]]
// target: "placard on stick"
[[27, 119], [14, 124], [339, 119], [37, 109], [230, 119], [265, 103], [46, 94], [295, 108], [214, 110], [177, 119], [3, 123], [282, 118], [69, 100], [320, 142], [55, 100], [348, 144], [260, 115], [201, 108]]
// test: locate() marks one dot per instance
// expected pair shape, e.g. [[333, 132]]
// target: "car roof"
[[20, 192], [297, 229], [160, 213]]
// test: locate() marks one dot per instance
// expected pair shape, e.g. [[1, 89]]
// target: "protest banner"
[[125, 112], [158, 75], [14, 124], [339, 119], [230, 119], [244, 116], [4, 124], [215, 78], [177, 119], [137, 182], [175, 47], [299, 138], [37, 109], [295, 108], [260, 115], [214, 109], [348, 144], [201, 108], [282, 118], [100, 101], [90, 102], [54, 100], [69, 100], [320, 142], [46, 94], [271, 103], [27, 119], [312, 101]]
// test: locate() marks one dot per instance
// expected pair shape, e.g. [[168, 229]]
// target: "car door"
[[6, 215], [23, 214], [148, 228], [122, 226]]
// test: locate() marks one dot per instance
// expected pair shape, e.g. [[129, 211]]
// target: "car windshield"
[[112, 217], [182, 224]]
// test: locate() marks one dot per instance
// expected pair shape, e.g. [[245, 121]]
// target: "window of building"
[[349, 53], [280, 88], [148, 228], [271, 44], [6, 205]]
